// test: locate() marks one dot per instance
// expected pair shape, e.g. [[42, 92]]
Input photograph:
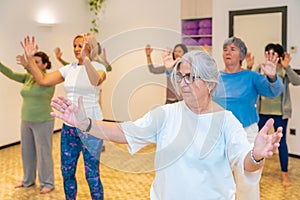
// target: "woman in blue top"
[[239, 93]]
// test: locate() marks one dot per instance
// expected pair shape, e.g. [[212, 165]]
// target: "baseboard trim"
[[55, 131], [294, 155], [18, 142]]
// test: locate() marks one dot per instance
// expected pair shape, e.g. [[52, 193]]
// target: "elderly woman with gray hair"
[[239, 93], [198, 143]]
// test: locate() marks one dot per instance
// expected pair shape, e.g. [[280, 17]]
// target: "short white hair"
[[202, 65]]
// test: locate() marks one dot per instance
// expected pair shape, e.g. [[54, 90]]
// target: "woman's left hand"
[[22, 61], [265, 144]]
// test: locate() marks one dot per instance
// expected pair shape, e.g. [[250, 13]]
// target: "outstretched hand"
[[21, 60], [286, 61], [29, 46], [265, 144], [168, 60], [68, 111], [269, 67]]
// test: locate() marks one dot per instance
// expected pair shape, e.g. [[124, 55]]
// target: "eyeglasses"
[[188, 79]]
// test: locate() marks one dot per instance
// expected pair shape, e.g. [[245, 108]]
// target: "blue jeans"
[[73, 141], [283, 149]]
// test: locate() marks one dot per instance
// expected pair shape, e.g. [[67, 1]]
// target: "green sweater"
[[36, 99]]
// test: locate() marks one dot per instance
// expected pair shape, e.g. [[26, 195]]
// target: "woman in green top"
[[36, 126]]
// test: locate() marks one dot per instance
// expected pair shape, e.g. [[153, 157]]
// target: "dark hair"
[[277, 48], [44, 57], [182, 46]]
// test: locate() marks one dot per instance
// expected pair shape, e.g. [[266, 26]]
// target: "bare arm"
[[75, 115], [95, 77]]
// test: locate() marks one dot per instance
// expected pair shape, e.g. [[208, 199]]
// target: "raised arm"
[[293, 77], [75, 115], [58, 55], [48, 79], [269, 67], [168, 60], [104, 60], [148, 51], [88, 54]]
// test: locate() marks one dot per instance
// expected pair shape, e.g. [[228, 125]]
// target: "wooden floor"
[[125, 177]]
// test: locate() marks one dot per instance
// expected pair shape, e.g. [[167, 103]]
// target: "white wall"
[[220, 33], [125, 29], [130, 90]]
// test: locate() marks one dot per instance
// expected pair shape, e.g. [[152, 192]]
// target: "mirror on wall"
[[258, 27]]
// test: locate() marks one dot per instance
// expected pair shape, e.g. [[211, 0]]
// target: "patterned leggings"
[[73, 141]]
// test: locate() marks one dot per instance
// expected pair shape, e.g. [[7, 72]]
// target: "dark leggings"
[[283, 149], [73, 141]]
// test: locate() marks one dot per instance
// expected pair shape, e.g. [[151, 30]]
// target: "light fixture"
[[45, 17]]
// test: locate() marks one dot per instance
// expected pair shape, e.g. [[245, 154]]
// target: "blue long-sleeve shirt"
[[238, 92]]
